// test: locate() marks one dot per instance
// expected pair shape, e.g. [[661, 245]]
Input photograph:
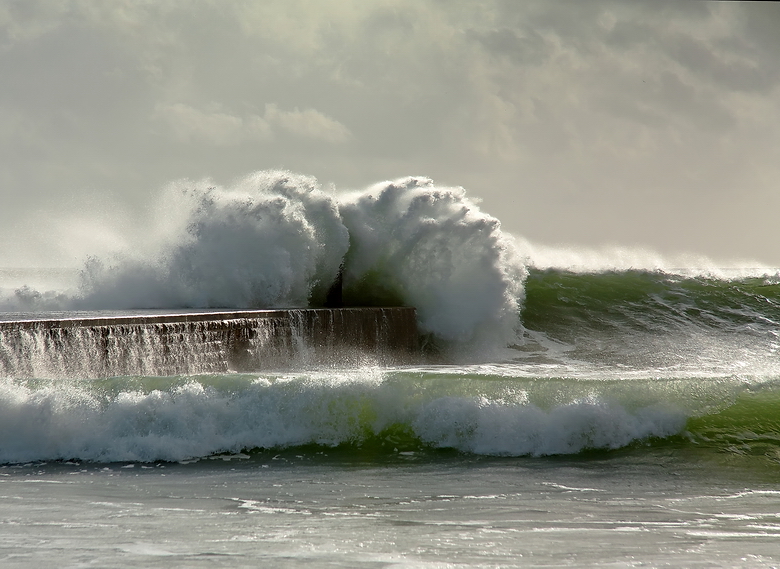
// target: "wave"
[[173, 419], [654, 319], [614, 258], [275, 239], [596, 353], [147, 419], [278, 240]]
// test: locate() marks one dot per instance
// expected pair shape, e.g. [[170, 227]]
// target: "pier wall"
[[186, 343]]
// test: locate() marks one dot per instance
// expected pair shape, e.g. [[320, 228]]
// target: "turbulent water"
[[605, 360], [658, 381]]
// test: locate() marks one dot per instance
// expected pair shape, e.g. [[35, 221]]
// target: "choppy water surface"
[[360, 507]]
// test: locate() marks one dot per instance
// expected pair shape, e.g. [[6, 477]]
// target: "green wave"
[[566, 302], [376, 414], [647, 319], [751, 426]]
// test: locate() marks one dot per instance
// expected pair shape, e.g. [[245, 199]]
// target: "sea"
[[597, 413]]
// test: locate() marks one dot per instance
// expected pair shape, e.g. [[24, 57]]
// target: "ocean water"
[[561, 414]]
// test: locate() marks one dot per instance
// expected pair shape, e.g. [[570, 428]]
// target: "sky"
[[639, 124]]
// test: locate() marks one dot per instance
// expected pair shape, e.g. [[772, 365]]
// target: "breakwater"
[[185, 343]]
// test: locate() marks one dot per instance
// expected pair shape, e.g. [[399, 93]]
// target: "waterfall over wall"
[[173, 344]]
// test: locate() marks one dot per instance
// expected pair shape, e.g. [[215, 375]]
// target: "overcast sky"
[[646, 124]]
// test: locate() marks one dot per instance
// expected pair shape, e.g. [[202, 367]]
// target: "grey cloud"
[[72, 69], [629, 33], [220, 127], [563, 116], [701, 59], [189, 124], [692, 105], [522, 47], [635, 109], [307, 123]]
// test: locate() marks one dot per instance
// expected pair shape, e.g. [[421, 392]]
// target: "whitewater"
[[568, 408]]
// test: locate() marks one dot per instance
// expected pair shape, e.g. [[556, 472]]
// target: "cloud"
[[308, 123], [220, 128], [566, 117]]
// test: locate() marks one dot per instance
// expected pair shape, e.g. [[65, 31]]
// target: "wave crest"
[[432, 248], [275, 239]]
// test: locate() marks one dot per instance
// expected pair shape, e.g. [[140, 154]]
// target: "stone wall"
[[241, 341]]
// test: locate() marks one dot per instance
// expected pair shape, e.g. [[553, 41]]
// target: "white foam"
[[197, 418], [276, 240], [620, 258], [269, 240], [434, 248], [495, 428]]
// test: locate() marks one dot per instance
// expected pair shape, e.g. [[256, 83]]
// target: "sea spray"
[[432, 248], [274, 239]]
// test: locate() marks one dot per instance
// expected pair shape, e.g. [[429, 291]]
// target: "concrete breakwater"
[[182, 343]]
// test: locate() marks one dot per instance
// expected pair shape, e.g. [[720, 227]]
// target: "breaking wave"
[[276, 240], [179, 418]]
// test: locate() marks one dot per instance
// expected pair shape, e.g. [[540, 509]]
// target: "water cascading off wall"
[[275, 239], [172, 344]]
